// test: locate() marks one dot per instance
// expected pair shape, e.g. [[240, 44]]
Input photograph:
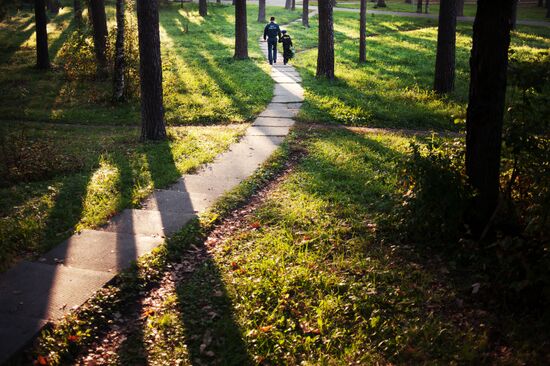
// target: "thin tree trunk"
[[150, 71], [408, 1], [363, 31], [261, 11], [540, 4], [419, 6], [241, 34], [293, 7], [459, 8], [446, 46], [305, 13], [514, 13], [427, 7], [381, 4], [118, 77], [325, 53], [77, 7], [42, 56], [488, 69], [99, 24], [288, 4], [203, 8], [548, 8], [218, 1], [53, 6]]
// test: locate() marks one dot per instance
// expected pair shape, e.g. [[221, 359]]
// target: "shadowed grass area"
[[202, 83], [57, 179], [393, 88]]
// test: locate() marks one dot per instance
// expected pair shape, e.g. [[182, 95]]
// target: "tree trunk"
[[419, 6], [203, 8], [427, 7], [548, 8], [261, 12], [540, 4], [446, 44], [305, 13], [241, 34], [118, 78], [408, 1], [363, 31], [42, 56], [459, 8], [77, 7], [488, 68], [150, 71], [381, 4], [53, 6], [293, 7], [288, 4], [514, 13], [325, 53], [99, 25]]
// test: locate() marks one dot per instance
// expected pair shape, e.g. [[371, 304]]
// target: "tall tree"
[[459, 8], [488, 69], [325, 49], [42, 56], [118, 77], [548, 8], [261, 11], [305, 13], [363, 31], [150, 71], [293, 6], [99, 25], [77, 7], [419, 6], [241, 34], [446, 46], [427, 7], [408, 1], [53, 6], [288, 4], [381, 3], [203, 8]]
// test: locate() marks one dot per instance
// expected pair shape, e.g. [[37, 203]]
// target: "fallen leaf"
[[266, 328], [255, 225], [42, 360]]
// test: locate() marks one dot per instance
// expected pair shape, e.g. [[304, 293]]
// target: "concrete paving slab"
[[267, 131], [205, 185], [275, 122], [165, 200], [287, 98], [148, 222], [279, 113], [16, 332], [289, 72], [289, 89], [101, 250], [286, 80], [43, 291]]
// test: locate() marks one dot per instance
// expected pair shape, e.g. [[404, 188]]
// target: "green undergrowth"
[[394, 87], [202, 83], [57, 179], [63, 342]]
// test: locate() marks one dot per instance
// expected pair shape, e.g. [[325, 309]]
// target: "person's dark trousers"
[[272, 50]]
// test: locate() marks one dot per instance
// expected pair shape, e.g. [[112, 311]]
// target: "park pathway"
[[35, 293]]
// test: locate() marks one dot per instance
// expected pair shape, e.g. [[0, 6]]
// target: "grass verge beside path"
[[394, 87], [60, 178], [202, 82], [306, 275]]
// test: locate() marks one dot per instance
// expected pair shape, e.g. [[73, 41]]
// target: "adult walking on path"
[[271, 33]]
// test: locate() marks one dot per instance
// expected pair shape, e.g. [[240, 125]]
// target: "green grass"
[[57, 179], [202, 83], [393, 88], [525, 12], [307, 278]]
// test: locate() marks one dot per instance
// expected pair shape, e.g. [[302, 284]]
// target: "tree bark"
[[540, 3], [325, 53], [381, 3], [459, 8], [446, 47], [514, 13], [419, 6], [241, 34], [150, 71], [261, 11], [203, 8], [363, 31], [408, 1], [77, 7], [53, 6], [548, 8], [288, 4], [293, 6], [99, 25], [305, 13], [42, 56], [118, 77], [488, 69], [427, 7]]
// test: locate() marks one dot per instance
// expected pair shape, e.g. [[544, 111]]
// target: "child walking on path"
[[288, 53]]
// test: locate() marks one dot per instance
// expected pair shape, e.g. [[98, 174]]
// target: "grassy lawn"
[[57, 178], [305, 275], [202, 83], [525, 12], [393, 88]]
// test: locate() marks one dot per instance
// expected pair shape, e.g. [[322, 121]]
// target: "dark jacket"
[[272, 31], [287, 43]]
